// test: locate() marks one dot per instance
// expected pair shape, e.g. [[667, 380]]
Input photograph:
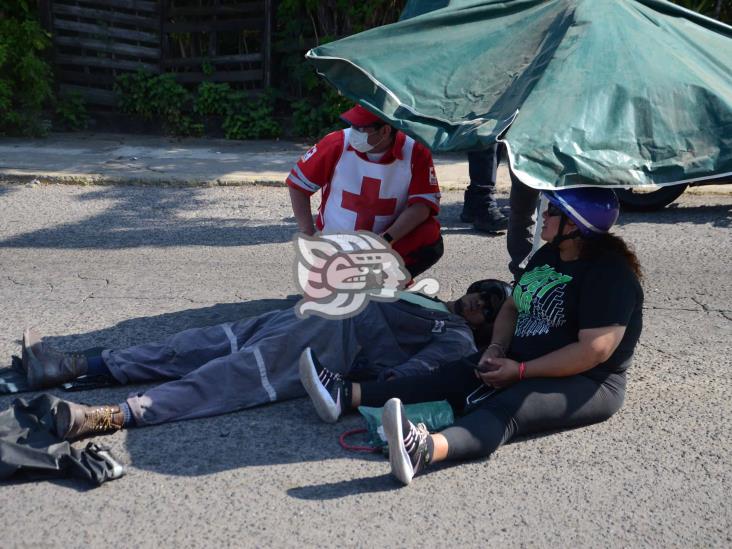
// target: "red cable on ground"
[[351, 448]]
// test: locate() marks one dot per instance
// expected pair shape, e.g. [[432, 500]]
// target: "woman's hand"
[[499, 372], [492, 351]]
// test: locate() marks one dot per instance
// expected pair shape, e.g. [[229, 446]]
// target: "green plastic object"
[[618, 93], [435, 415]]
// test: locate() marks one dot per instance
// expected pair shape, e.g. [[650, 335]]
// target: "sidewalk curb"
[[103, 180]]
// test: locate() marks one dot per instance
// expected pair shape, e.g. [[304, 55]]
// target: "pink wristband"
[[522, 371]]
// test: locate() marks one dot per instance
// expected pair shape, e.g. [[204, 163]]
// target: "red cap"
[[358, 116]]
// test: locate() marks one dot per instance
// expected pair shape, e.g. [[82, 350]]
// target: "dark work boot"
[[468, 213], [46, 366], [481, 210], [471, 203], [490, 220]]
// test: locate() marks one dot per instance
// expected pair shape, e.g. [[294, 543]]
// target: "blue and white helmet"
[[593, 209]]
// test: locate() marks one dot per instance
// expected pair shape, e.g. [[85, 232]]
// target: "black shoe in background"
[[490, 220]]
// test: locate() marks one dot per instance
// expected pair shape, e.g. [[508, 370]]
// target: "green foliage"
[[250, 118], [207, 67], [717, 9], [303, 24], [316, 119], [212, 99], [244, 117], [157, 97], [160, 97], [71, 112], [25, 77]]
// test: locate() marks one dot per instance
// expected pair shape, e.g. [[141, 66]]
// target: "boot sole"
[[326, 409], [63, 420], [391, 420], [29, 335], [30, 340], [24, 351], [498, 227]]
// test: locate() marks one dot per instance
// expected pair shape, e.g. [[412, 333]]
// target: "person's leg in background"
[[480, 207], [523, 200]]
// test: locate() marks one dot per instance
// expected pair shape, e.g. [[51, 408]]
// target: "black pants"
[[423, 258], [529, 406], [483, 171]]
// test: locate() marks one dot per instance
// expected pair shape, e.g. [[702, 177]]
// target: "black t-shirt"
[[556, 299]]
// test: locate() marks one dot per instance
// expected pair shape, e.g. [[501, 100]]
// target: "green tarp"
[[583, 92]]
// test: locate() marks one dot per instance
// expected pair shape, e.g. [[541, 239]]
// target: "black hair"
[[491, 287], [597, 246], [487, 288]]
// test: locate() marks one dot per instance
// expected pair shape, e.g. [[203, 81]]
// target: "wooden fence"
[[95, 41]]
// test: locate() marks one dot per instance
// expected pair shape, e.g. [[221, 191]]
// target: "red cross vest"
[[365, 195], [358, 194]]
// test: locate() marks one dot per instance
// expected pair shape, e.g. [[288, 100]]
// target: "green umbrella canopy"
[[583, 92]]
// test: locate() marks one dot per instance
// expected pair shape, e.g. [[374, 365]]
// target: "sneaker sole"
[[326, 409], [401, 464]]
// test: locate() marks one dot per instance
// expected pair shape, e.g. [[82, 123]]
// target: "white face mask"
[[360, 141]]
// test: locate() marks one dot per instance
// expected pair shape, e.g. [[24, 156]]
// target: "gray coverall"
[[237, 365]]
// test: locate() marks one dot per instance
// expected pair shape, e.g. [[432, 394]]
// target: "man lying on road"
[[224, 368]]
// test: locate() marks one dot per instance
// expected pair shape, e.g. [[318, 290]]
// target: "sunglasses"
[[552, 210]]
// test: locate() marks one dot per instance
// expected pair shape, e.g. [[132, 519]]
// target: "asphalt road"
[[111, 266]]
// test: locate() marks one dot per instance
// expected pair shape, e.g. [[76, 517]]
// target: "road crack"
[[106, 280], [660, 308], [140, 298], [653, 348], [11, 279]]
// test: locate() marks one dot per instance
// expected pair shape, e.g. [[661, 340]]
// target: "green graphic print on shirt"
[[539, 298]]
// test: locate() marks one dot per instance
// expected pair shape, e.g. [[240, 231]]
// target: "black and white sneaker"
[[328, 390], [408, 448]]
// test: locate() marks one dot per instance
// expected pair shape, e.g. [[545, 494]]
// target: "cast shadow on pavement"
[[345, 488], [7, 189], [719, 215], [154, 216], [145, 329], [283, 433], [452, 224], [70, 483]]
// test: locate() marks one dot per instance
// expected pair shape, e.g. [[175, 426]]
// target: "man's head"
[[482, 301], [480, 305], [369, 133]]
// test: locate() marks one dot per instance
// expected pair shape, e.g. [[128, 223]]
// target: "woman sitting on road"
[[559, 352]]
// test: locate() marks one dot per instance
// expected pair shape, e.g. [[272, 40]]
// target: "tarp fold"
[[620, 93]]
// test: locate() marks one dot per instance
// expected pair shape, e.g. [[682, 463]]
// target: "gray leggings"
[[529, 406]]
